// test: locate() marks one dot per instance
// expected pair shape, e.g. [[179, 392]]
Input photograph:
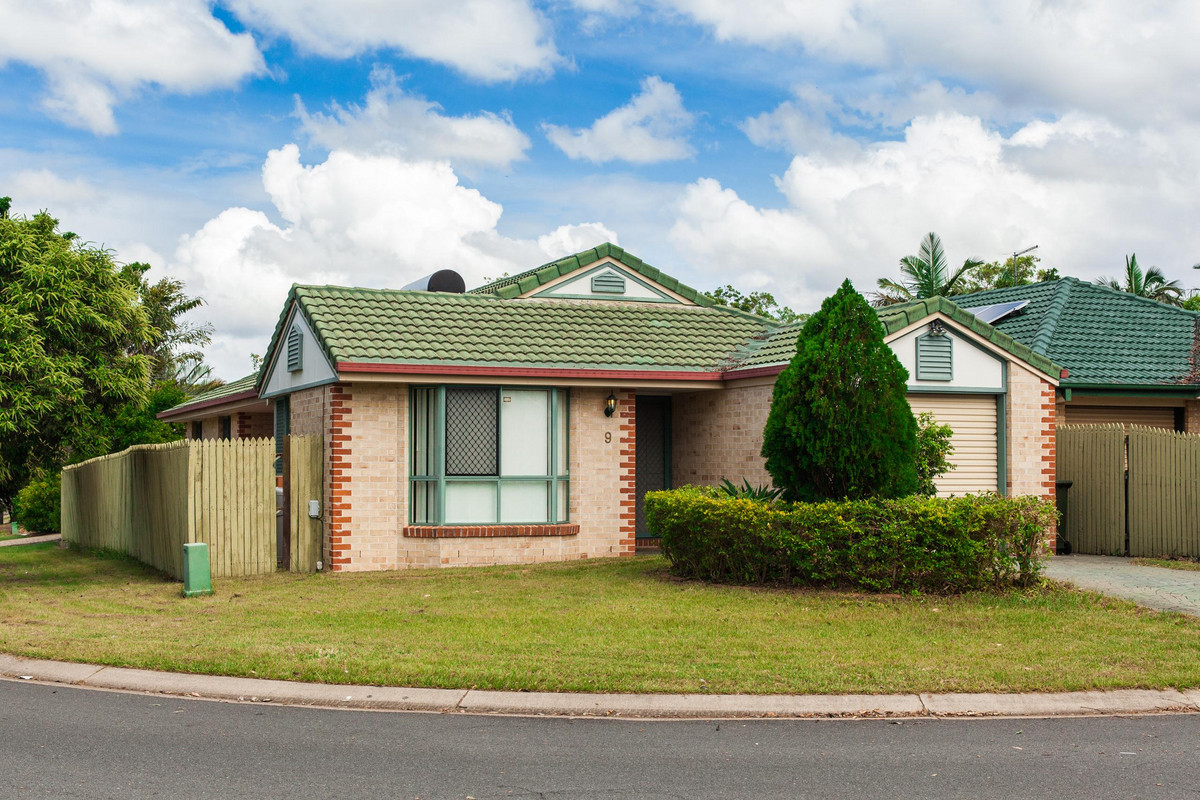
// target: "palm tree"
[[1151, 283], [925, 275]]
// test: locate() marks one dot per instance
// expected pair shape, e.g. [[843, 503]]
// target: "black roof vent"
[[444, 280]]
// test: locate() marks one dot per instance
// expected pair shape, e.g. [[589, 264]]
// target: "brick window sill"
[[486, 531]]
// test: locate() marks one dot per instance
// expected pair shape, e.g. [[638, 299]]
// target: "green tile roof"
[[1102, 336], [515, 285], [245, 384], [780, 344], [389, 326]]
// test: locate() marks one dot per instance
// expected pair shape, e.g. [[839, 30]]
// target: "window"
[[483, 455], [226, 427], [198, 429]]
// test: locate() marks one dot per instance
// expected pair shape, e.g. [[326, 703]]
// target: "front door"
[[653, 452]]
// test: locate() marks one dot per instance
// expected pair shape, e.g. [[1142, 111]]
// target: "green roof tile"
[[224, 390], [1102, 336], [407, 327]]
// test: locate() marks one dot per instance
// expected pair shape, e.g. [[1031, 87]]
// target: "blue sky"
[[779, 145]]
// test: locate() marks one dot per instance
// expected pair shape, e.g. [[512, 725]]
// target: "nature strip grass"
[[620, 625], [1188, 565]]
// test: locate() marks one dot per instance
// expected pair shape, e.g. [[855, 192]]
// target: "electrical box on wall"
[[314, 508]]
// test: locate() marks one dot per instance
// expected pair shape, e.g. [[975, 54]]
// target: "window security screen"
[[472, 431]]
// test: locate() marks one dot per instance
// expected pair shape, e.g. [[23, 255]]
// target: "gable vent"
[[608, 283], [295, 350], [935, 358]]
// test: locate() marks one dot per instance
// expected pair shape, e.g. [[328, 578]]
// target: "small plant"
[[38, 507], [933, 452], [763, 494]]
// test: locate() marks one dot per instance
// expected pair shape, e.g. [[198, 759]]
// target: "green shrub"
[[765, 494], [39, 507], [925, 544], [840, 425], [933, 452]]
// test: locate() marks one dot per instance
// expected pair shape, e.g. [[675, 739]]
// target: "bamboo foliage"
[[1092, 457], [149, 500], [1164, 492]]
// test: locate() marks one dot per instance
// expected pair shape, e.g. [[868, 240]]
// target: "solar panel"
[[997, 311]]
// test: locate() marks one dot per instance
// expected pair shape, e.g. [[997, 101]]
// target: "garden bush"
[[39, 506], [927, 544], [840, 425]]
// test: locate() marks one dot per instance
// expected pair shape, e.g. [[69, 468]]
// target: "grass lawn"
[[1170, 563], [614, 625]]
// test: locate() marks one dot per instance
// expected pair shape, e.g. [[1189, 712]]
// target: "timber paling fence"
[[149, 500], [1135, 493]]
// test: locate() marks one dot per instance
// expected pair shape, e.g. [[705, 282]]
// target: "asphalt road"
[[64, 743]]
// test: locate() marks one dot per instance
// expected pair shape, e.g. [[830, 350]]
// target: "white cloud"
[[651, 127], [1125, 60], [364, 220], [95, 53], [854, 213], [489, 40], [567, 239], [394, 122]]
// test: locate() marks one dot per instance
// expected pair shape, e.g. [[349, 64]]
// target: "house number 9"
[[607, 437]]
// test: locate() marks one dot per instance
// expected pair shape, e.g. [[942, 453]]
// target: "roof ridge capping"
[[1119, 293], [514, 286]]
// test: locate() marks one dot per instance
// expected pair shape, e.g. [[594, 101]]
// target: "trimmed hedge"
[[928, 544]]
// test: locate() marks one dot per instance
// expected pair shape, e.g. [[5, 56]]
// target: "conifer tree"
[[840, 425]]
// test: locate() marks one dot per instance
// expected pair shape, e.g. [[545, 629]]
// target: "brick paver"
[[1153, 587]]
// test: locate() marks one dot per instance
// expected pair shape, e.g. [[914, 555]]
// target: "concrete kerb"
[[640, 706]]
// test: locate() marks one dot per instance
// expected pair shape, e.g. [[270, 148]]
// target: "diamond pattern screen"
[[472, 425]]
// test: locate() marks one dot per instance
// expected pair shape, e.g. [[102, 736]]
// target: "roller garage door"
[[1149, 416], [972, 417]]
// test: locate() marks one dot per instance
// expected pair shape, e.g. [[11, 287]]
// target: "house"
[[1128, 359], [524, 420]]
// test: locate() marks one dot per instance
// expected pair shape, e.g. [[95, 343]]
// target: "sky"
[[779, 145]]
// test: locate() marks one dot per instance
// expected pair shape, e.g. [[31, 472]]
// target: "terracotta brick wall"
[[368, 475], [718, 434], [1031, 418], [602, 458], [253, 425], [1191, 416]]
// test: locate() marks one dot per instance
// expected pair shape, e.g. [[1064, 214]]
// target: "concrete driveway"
[[1153, 587]]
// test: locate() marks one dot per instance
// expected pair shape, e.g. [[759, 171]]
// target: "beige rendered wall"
[[718, 434]]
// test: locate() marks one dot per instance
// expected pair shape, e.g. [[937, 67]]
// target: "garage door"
[[1150, 416], [972, 417]]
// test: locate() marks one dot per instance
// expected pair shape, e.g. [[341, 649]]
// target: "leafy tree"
[[70, 330], [840, 425], [176, 345], [925, 275], [1005, 274], [1150, 283], [134, 422], [761, 303]]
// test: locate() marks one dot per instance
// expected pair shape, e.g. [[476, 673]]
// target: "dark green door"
[[653, 452]]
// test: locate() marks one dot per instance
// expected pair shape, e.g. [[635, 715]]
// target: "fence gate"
[[1164, 492], [302, 484], [1092, 457]]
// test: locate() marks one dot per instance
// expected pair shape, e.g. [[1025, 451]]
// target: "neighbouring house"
[[1129, 359], [230, 411], [524, 420]]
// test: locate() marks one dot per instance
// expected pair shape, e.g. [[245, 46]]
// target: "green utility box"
[[197, 579]]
